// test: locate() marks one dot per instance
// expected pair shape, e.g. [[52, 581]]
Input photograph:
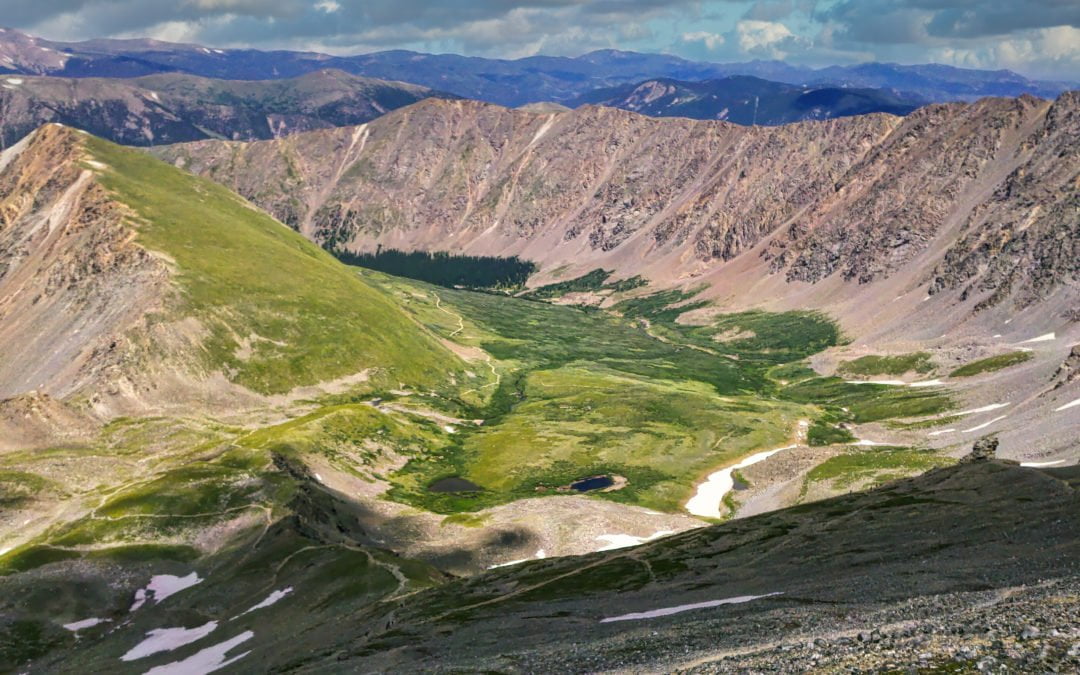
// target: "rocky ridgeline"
[[1033, 629], [990, 185]]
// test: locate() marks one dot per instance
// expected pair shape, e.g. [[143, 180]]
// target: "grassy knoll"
[[279, 311], [899, 364], [991, 364], [878, 465]]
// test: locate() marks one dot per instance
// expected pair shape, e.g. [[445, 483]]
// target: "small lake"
[[454, 484], [592, 483]]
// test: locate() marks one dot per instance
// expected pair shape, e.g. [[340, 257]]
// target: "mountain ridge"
[[175, 107], [507, 82], [679, 218]]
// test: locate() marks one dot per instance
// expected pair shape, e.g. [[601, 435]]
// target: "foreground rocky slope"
[[171, 107], [937, 195], [988, 575]]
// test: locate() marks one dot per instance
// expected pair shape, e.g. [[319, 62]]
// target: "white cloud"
[[1052, 52], [711, 40], [328, 6], [765, 38]]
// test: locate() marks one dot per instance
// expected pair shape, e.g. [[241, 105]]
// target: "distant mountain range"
[[506, 82], [174, 107], [748, 100]]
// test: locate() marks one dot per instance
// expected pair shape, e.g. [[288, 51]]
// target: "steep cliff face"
[[982, 195]]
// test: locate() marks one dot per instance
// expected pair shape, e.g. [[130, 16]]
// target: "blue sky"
[[1035, 37]]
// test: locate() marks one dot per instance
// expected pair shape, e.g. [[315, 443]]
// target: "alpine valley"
[[342, 374]]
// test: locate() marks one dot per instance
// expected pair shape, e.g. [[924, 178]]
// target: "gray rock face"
[[984, 449]]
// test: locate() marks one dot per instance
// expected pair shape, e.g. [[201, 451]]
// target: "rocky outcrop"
[[982, 197], [72, 280]]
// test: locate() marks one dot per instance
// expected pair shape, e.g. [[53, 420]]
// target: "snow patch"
[[891, 383], [162, 586], [77, 626], [269, 600], [15, 80], [1042, 338], [205, 661], [668, 611], [706, 501], [168, 639], [943, 431], [864, 441], [927, 383], [985, 424], [449, 429], [615, 541], [985, 408], [1037, 465], [1073, 404]]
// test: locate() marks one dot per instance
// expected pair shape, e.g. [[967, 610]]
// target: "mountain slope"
[[506, 82], [804, 202], [994, 548], [141, 286], [171, 108], [747, 100]]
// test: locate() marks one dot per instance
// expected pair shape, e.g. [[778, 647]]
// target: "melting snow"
[[985, 424], [927, 383], [1042, 338], [270, 599], [668, 611], [892, 383], [162, 586], [207, 660], [14, 80], [1036, 465], [1068, 405], [706, 501], [168, 639], [866, 442], [985, 408], [77, 626], [943, 431], [615, 541], [449, 429], [540, 555]]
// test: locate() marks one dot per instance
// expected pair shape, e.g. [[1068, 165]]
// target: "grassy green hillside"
[[280, 311]]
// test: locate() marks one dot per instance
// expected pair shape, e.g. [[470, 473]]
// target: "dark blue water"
[[594, 483]]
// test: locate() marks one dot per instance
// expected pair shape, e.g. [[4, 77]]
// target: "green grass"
[[899, 364], [879, 464], [822, 433], [991, 364], [579, 420], [244, 276], [870, 402]]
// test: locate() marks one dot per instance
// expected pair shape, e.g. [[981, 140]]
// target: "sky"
[[1039, 38]]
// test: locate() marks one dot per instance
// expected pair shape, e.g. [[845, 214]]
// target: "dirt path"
[[460, 320]]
